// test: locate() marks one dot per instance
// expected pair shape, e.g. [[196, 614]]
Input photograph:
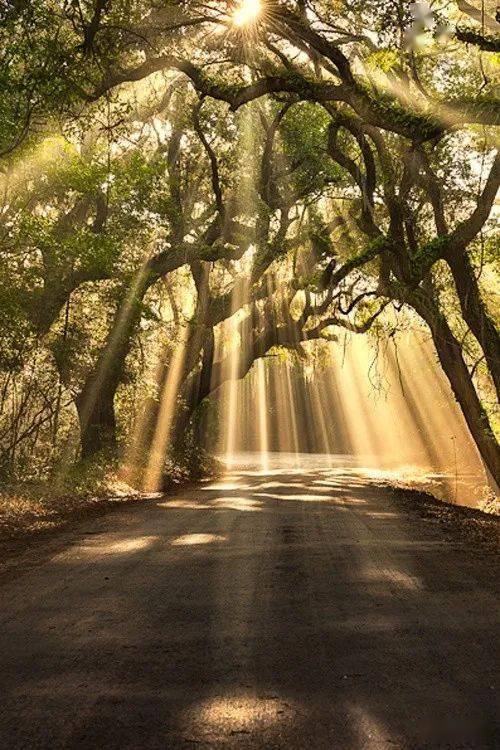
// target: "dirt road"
[[280, 611]]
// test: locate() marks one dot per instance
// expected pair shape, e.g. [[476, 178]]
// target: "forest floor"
[[287, 610]]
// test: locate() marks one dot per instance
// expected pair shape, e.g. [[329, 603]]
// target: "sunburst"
[[246, 12]]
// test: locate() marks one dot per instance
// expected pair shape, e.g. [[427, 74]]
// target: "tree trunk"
[[475, 314], [196, 387], [96, 414], [450, 356], [95, 403]]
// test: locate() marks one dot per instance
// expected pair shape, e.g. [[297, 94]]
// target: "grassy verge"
[[33, 508], [478, 529]]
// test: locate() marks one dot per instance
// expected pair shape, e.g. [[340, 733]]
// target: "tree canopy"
[[165, 165]]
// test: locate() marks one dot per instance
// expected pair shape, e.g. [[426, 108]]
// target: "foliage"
[[145, 195]]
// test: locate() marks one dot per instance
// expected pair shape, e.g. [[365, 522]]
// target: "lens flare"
[[246, 12]]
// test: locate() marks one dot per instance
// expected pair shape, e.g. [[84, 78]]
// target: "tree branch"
[[468, 229]]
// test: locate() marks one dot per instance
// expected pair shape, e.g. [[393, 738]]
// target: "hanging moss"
[[427, 255], [384, 107]]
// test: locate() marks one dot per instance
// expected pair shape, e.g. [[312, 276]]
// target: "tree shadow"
[[288, 616]]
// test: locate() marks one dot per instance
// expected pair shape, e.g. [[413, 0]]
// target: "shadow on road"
[[288, 610]]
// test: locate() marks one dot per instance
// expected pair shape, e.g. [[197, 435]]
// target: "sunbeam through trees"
[[249, 283], [189, 188]]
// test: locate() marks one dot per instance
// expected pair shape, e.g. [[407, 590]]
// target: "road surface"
[[289, 610]]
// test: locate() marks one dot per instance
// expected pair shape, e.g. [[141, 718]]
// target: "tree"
[[350, 112]]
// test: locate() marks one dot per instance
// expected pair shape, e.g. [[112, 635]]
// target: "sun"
[[246, 11]]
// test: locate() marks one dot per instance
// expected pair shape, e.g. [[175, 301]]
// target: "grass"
[[30, 508]]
